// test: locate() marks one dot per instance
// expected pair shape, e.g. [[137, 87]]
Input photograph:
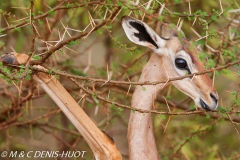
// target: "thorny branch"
[[94, 80], [62, 43], [91, 88], [135, 83]]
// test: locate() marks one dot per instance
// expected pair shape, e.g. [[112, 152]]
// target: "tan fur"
[[167, 30]]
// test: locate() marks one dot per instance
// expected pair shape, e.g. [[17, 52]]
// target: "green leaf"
[[40, 12], [217, 73], [36, 57], [163, 117], [69, 5], [224, 110], [233, 93], [226, 71], [28, 77], [160, 18], [192, 107], [201, 13], [178, 1], [7, 70], [99, 31], [212, 33], [120, 109], [51, 12], [50, 72], [108, 27], [229, 53], [40, 22], [201, 41], [210, 63], [72, 43], [208, 116], [214, 17], [169, 97], [120, 3]]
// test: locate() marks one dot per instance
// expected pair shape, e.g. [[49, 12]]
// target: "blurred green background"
[[35, 123]]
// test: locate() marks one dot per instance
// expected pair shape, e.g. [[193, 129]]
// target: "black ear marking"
[[143, 35]]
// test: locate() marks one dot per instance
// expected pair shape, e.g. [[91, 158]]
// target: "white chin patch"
[[197, 103]]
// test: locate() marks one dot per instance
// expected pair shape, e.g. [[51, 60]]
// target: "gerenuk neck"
[[141, 140]]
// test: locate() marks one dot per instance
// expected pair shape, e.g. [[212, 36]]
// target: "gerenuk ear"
[[140, 33]]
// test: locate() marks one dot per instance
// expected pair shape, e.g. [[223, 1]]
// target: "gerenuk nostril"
[[215, 99]]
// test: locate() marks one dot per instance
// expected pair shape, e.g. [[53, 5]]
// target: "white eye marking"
[[190, 66]]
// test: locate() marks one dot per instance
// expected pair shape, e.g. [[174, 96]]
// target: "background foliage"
[[29, 120]]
